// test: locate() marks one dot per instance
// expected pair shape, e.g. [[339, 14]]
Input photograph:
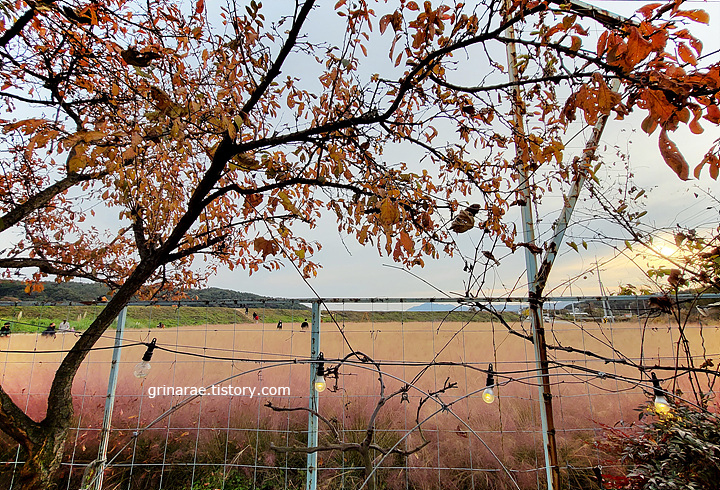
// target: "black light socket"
[[149, 352], [490, 376]]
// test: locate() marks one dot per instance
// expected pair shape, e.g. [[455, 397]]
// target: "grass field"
[[35, 318], [231, 435]]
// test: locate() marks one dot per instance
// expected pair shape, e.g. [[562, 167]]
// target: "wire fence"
[[252, 359]]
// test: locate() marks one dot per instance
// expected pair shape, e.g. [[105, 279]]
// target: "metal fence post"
[[547, 423], [110, 400], [314, 398]]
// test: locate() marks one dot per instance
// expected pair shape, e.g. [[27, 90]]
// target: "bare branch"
[[304, 409], [346, 446]]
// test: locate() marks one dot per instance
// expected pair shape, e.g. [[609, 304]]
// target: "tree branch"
[[195, 248], [501, 86], [374, 116], [304, 409], [62, 269], [245, 191], [14, 422], [344, 446], [20, 24], [274, 70], [36, 201]]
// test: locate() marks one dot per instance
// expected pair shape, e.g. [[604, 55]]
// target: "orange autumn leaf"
[[638, 47], [265, 247], [686, 54], [672, 156], [607, 99], [697, 15], [713, 114], [389, 213], [647, 10], [695, 124]]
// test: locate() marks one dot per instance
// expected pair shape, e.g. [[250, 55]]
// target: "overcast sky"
[[350, 270]]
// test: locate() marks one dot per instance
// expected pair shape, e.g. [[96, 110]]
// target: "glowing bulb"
[[320, 384], [661, 405], [488, 395], [142, 369]]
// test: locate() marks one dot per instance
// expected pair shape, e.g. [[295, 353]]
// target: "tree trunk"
[[43, 459], [44, 442], [367, 462]]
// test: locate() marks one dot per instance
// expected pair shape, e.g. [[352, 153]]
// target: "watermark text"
[[217, 390]]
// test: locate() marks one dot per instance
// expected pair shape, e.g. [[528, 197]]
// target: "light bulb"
[[142, 369], [661, 405], [320, 384], [488, 395]]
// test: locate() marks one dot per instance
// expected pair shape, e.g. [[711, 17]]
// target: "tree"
[[191, 123], [367, 448]]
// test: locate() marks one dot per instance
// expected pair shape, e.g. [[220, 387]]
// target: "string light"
[[142, 368], [488, 394], [662, 406], [320, 383]]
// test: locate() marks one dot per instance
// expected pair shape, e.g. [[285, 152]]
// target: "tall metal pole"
[[541, 362], [311, 483], [538, 278], [110, 399]]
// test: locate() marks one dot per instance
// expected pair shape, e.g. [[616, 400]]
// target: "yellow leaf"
[[389, 213], [76, 159], [287, 203], [243, 161]]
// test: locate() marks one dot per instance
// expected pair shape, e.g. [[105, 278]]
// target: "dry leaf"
[[673, 157], [465, 219]]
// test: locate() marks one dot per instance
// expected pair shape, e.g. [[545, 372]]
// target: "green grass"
[[36, 318]]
